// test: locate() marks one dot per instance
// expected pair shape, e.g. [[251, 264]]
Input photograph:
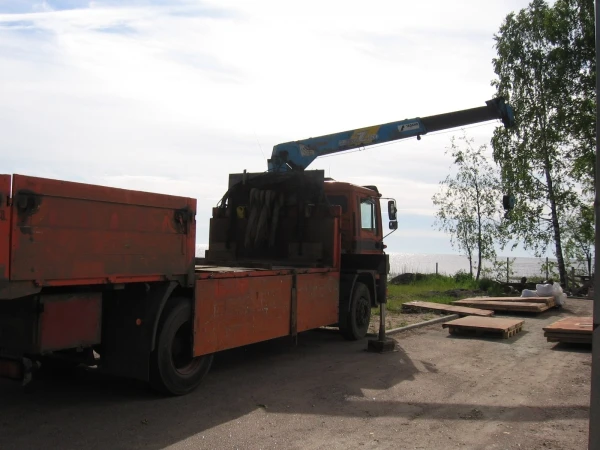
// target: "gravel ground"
[[436, 392]]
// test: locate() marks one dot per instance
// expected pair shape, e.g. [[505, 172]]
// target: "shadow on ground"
[[322, 374], [572, 347]]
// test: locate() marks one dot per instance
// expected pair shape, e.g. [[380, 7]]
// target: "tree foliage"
[[545, 67], [580, 237], [468, 203]]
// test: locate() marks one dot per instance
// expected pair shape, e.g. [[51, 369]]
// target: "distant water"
[[450, 264]]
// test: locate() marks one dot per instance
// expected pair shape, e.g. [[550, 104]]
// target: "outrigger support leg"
[[382, 344]]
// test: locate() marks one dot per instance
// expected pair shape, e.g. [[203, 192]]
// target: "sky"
[[172, 96]]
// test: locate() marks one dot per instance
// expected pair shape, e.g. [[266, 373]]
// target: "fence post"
[[546, 268], [507, 280], [436, 268], [573, 276]]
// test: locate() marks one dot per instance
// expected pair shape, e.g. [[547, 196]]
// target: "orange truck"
[[109, 278]]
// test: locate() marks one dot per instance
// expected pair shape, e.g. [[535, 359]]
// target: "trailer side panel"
[[231, 312], [318, 300], [73, 233]]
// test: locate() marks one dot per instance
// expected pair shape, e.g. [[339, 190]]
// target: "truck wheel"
[[172, 370], [357, 320]]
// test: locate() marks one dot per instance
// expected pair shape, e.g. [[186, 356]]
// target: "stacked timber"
[[443, 308], [511, 304], [572, 330]]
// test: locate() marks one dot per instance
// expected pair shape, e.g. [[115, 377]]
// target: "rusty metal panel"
[[70, 321], [5, 181], [240, 311], [68, 231], [317, 300]]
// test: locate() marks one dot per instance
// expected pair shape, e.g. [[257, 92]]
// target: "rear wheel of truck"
[[172, 369], [356, 323]]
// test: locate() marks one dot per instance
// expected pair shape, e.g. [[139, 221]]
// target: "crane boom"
[[298, 155]]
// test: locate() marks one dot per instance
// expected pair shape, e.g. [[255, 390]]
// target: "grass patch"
[[429, 288]]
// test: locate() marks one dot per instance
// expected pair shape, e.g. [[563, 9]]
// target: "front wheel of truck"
[[173, 371], [355, 324]]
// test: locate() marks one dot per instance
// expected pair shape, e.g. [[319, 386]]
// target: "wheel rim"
[[181, 351], [363, 310]]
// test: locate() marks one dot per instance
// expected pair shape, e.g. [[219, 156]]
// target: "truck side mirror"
[[392, 210]]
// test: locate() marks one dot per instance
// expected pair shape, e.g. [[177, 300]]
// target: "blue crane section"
[[298, 155]]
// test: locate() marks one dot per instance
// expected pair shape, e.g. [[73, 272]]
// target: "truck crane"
[[297, 155], [358, 204], [108, 277]]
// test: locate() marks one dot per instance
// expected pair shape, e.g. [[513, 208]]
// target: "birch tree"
[[543, 67], [469, 203]]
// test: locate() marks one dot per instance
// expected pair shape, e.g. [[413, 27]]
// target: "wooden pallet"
[[573, 330], [503, 306], [441, 307], [479, 326]]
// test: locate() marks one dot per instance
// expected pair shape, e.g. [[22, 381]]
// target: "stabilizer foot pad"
[[385, 346]]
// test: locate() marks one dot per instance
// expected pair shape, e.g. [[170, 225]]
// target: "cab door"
[[369, 225]]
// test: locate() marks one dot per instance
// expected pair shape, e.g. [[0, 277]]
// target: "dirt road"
[[436, 392]]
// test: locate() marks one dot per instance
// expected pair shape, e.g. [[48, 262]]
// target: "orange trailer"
[[109, 278]]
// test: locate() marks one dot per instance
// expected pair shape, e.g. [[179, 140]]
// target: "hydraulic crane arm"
[[298, 155]]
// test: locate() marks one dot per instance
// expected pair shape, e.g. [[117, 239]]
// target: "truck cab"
[[362, 223], [363, 257]]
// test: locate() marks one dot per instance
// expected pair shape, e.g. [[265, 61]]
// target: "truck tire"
[[356, 323], [172, 370]]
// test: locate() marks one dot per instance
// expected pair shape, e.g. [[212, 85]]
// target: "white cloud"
[[172, 97]]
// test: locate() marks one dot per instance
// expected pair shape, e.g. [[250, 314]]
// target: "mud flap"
[[129, 330], [346, 286]]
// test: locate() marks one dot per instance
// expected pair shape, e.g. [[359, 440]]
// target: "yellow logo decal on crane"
[[362, 136]]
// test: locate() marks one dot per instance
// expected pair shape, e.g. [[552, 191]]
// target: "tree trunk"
[[470, 264], [479, 231], [559, 257], [551, 197], [556, 228], [470, 256]]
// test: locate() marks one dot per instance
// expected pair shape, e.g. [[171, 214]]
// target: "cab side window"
[[367, 215]]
